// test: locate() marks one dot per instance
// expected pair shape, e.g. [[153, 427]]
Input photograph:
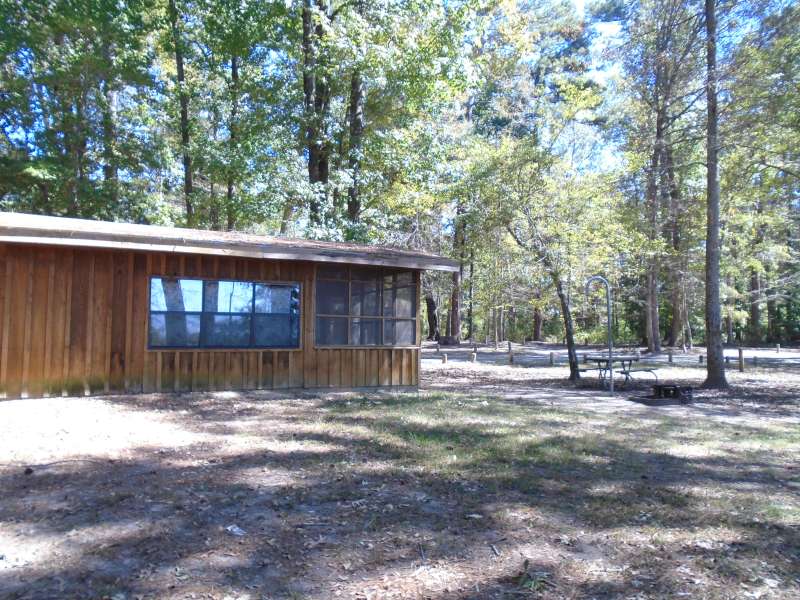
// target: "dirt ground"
[[492, 482]]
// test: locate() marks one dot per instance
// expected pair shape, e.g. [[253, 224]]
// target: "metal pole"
[[604, 281]]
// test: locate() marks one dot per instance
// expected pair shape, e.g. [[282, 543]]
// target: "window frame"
[[252, 314], [381, 272]]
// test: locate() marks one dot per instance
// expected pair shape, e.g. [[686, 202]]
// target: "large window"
[[359, 306], [194, 313]]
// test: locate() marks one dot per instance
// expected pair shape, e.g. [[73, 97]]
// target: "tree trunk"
[[109, 109], [715, 365], [309, 94], [183, 98], [454, 326], [286, 217], [729, 334], [652, 326], [356, 121], [772, 319], [676, 326], [569, 330], [230, 209], [316, 102], [537, 324], [470, 300], [459, 243], [676, 264], [433, 319]]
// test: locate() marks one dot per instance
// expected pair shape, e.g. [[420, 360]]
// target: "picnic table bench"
[[628, 373], [605, 366]]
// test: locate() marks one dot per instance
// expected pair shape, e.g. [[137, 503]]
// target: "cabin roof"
[[36, 229]]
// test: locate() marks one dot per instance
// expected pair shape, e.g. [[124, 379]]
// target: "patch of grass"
[[659, 482]]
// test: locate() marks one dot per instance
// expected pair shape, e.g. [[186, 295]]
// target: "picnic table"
[[605, 366]]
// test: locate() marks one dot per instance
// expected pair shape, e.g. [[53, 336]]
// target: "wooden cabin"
[[91, 307]]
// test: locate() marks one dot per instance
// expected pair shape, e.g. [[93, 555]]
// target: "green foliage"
[[516, 136]]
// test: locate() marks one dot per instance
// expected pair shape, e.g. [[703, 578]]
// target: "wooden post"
[[473, 357], [741, 360], [552, 358], [669, 356], [444, 358], [585, 358], [777, 348], [727, 359], [438, 348], [700, 358], [475, 348], [510, 358], [755, 361]]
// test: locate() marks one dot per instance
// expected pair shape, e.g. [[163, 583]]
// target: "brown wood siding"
[[74, 322]]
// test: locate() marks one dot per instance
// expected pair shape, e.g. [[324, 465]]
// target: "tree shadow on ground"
[[399, 495]]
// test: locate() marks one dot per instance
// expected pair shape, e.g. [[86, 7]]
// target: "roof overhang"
[[57, 231]]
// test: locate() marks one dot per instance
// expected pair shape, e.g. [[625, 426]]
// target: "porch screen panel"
[[361, 306]]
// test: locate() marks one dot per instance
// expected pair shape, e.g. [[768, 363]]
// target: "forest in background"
[[537, 142]]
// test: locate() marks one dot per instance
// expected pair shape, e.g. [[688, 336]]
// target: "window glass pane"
[[226, 330], [365, 332], [332, 272], [399, 333], [176, 294], [277, 331], [332, 297], [280, 299], [174, 329], [364, 298], [331, 331], [228, 296]]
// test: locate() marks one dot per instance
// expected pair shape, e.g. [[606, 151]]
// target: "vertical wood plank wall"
[[74, 322]]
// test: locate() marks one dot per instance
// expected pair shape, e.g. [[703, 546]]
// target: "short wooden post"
[[510, 358], [444, 358], [669, 356], [552, 358], [509, 345], [438, 347], [741, 360], [585, 358], [475, 348], [755, 361], [473, 357], [700, 358], [777, 348], [727, 359]]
